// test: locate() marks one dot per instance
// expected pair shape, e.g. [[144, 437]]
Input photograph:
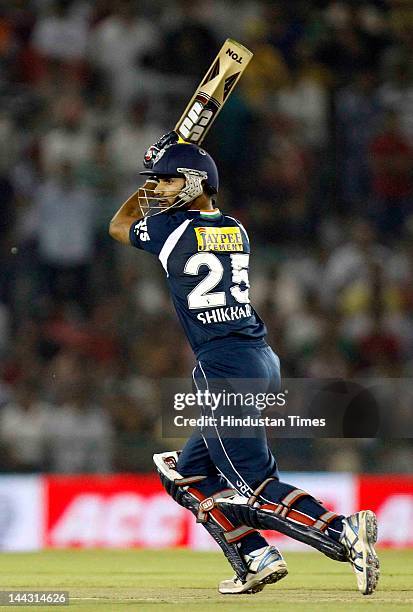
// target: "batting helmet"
[[181, 160], [171, 160]]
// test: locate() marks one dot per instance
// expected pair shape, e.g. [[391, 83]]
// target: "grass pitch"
[[173, 580]]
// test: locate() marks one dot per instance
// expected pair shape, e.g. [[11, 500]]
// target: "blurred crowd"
[[315, 151]]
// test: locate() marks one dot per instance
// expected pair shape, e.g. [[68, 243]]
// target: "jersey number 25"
[[201, 296]]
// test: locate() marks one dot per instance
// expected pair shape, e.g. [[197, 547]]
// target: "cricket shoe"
[[265, 566], [358, 538]]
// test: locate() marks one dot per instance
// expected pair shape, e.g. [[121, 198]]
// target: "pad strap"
[[285, 507], [324, 520], [208, 510]]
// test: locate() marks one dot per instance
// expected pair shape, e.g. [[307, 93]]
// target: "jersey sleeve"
[[246, 240], [151, 233], [245, 237]]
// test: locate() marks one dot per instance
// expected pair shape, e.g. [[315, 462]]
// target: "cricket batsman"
[[231, 484]]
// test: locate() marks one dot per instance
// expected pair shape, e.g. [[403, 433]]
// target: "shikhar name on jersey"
[[206, 258]]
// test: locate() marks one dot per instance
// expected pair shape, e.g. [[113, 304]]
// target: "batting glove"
[[165, 141]]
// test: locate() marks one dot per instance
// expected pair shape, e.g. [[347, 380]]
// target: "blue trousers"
[[247, 367], [244, 461]]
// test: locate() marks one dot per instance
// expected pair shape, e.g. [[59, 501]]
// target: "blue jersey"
[[206, 258]]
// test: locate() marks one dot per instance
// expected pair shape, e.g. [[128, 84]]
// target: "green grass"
[[181, 580]]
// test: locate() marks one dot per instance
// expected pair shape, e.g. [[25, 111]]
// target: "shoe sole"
[[271, 579], [372, 563], [273, 576]]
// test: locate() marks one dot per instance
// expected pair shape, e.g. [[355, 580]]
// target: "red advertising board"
[[391, 498], [132, 510], [119, 511], [112, 511]]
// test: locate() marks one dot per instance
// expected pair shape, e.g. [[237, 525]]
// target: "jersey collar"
[[207, 214]]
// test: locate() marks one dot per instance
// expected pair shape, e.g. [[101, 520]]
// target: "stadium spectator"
[[358, 112], [330, 359], [101, 176], [118, 46], [396, 94], [305, 100], [23, 427], [379, 349], [62, 33], [69, 141], [79, 431], [66, 215], [127, 142], [270, 70], [350, 262], [391, 160], [187, 44]]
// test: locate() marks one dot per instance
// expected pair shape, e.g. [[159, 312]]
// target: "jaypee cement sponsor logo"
[[221, 239]]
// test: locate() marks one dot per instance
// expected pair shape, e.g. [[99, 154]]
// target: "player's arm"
[[129, 213]]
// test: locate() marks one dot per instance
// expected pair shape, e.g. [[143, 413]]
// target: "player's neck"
[[203, 203]]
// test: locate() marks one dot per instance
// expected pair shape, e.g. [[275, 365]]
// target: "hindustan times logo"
[[222, 399]]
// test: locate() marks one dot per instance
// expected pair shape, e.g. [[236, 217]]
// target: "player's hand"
[[166, 140]]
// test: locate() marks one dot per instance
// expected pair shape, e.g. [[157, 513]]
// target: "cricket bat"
[[213, 92]]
